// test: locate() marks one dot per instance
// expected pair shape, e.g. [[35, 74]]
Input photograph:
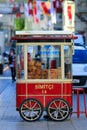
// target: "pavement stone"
[[4, 84], [11, 120]]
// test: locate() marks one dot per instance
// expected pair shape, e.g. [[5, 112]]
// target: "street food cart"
[[44, 74]]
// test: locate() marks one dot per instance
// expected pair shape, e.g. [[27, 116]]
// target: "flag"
[[36, 11], [69, 12], [53, 12], [26, 10], [21, 5], [45, 8], [57, 5], [11, 0], [30, 7], [56, 8]]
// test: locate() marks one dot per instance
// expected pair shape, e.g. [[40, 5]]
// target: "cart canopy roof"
[[43, 36]]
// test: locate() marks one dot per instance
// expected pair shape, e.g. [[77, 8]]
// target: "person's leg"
[[14, 74]]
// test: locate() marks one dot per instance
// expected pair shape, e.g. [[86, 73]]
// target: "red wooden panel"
[[67, 88], [68, 99], [44, 89], [20, 88], [39, 98], [49, 98], [43, 92], [19, 100]]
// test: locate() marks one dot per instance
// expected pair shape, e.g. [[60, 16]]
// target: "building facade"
[[81, 17]]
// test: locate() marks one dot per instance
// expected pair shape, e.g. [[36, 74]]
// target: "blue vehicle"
[[79, 66]]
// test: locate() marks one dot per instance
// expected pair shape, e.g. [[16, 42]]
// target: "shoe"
[[46, 117], [13, 80]]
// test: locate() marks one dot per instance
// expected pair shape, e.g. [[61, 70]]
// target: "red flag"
[[57, 5], [35, 12], [33, 9], [30, 6], [54, 4], [69, 12], [11, 0], [44, 8]]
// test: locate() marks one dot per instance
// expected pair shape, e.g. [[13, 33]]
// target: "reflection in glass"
[[68, 61], [20, 62], [44, 62]]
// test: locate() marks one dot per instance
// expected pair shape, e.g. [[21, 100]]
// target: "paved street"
[[11, 120], [6, 72]]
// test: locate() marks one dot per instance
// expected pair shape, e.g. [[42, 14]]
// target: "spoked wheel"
[[58, 109], [31, 110]]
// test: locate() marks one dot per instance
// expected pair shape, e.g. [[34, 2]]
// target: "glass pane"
[[68, 61], [44, 62], [20, 62]]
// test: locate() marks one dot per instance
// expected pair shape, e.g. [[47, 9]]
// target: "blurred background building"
[[81, 17], [41, 15]]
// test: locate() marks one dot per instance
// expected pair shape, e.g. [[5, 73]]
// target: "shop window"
[[44, 62]]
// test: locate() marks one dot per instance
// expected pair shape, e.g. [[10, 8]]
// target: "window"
[[68, 61], [44, 62], [20, 62]]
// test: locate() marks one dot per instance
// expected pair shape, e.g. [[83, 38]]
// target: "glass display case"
[[44, 61]]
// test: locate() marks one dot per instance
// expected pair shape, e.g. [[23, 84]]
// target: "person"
[[1, 64], [12, 60], [0, 58]]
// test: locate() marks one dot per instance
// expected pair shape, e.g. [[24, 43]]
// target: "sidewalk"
[[6, 72], [11, 120]]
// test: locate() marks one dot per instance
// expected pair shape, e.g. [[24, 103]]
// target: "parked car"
[[79, 66]]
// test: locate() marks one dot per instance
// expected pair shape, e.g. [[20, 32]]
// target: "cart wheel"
[[30, 110], [58, 109]]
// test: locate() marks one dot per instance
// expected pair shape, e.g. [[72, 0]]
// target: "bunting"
[[30, 7], [45, 8], [34, 8], [36, 11], [57, 5], [69, 12], [12, 0]]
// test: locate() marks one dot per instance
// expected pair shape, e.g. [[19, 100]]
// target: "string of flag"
[[35, 7]]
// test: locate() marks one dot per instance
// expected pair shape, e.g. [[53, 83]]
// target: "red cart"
[[44, 74]]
